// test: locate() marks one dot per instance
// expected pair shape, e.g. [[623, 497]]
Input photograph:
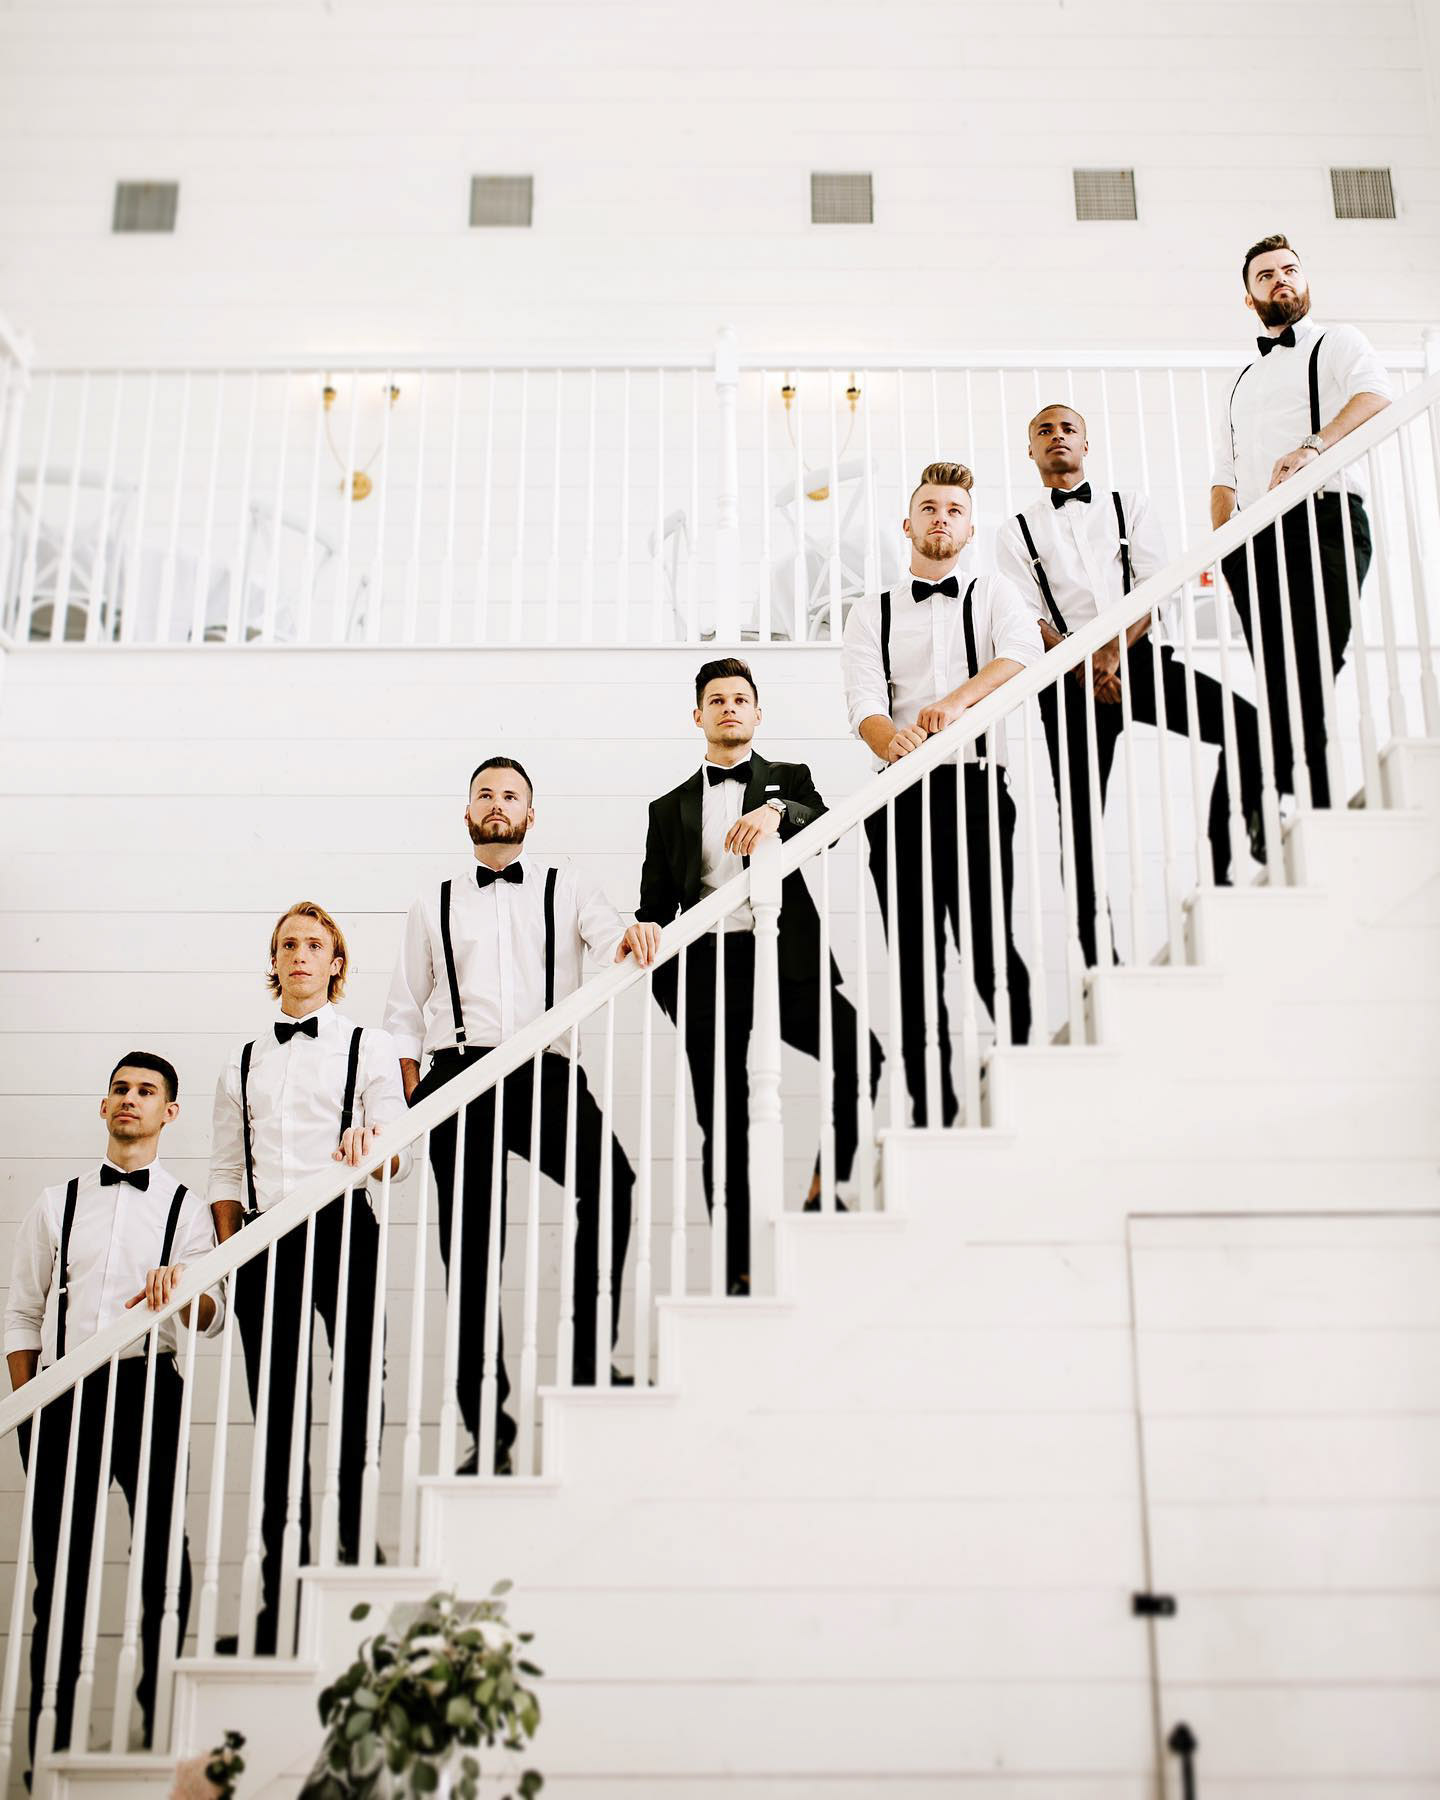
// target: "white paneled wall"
[[324, 155]]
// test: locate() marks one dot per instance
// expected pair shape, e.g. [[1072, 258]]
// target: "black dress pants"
[[1110, 722], [474, 1270], [1329, 533], [163, 1461], [909, 918], [800, 1028], [287, 1325]]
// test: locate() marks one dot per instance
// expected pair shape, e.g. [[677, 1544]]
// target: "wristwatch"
[[779, 805], [1313, 442]]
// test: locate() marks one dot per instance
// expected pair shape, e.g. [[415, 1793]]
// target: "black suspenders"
[[447, 944], [347, 1111], [1313, 380], [1043, 580], [67, 1225], [968, 610]]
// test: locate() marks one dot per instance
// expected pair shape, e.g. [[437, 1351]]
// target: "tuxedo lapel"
[[690, 810], [755, 787]]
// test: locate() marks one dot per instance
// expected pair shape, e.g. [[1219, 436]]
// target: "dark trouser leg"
[[588, 1164], [700, 1053], [800, 1003], [473, 1273], [909, 926], [1107, 724], [353, 1381], [164, 1461], [982, 933], [53, 1452], [286, 1328], [1271, 603], [1210, 722]]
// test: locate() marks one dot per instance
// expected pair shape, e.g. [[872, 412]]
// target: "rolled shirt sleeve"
[[863, 668], [1223, 473], [410, 988], [227, 1141], [31, 1273], [599, 924], [382, 1099], [194, 1238], [1012, 563], [1358, 370], [1148, 550], [1014, 628]]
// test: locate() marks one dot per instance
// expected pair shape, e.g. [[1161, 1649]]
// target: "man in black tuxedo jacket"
[[699, 835]]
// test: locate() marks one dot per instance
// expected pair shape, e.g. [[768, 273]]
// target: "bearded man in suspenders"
[[1074, 553], [914, 659], [81, 1254], [314, 1091], [1309, 387], [486, 953]]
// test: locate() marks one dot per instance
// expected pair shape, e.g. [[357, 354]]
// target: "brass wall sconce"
[[789, 393], [361, 485]]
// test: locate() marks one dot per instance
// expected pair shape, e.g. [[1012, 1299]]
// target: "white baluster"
[[450, 1371], [864, 1101], [215, 1509], [298, 1467], [96, 614], [1005, 443], [28, 568], [899, 1108], [1334, 753], [1174, 917], [569, 1223], [931, 975], [552, 574], [140, 1513], [60, 605], [277, 525], [517, 560], [834, 584], [305, 609], [1132, 804], [134, 585], [678, 1154], [1300, 761], [604, 1306], [480, 625], [410, 628], [872, 519], [825, 1061], [200, 593], [171, 1635], [1104, 937], [727, 499], [340, 1352], [250, 1564], [587, 573], [1039, 992], [1369, 747], [692, 536], [1269, 797], [644, 1189], [239, 569], [767, 513], [657, 552], [999, 936], [415, 1383], [445, 628], [719, 1264], [969, 1020], [94, 1580], [340, 617], [375, 1387], [14, 1637], [1420, 594], [1109, 429], [800, 594], [622, 569], [526, 1461], [1074, 954], [50, 1688], [494, 1256], [767, 1130]]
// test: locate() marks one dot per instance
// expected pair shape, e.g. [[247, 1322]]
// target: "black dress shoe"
[[813, 1204]]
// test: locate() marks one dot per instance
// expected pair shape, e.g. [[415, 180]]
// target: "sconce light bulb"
[[327, 396]]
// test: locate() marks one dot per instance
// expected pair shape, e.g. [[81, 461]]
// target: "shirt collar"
[[324, 1017], [523, 859], [156, 1168], [1304, 330], [744, 762]]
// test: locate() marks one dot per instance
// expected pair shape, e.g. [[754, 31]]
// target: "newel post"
[[727, 499]]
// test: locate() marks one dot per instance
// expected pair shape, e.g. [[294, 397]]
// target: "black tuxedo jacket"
[[670, 879]]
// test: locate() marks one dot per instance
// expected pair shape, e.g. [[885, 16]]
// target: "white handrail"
[[885, 786]]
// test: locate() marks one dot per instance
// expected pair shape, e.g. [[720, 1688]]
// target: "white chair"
[[811, 524]]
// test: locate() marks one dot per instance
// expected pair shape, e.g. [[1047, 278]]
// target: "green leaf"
[[358, 1724], [531, 1783], [459, 1711], [362, 1611], [424, 1778], [399, 1720], [502, 1587], [469, 1766], [528, 1668], [368, 1698]]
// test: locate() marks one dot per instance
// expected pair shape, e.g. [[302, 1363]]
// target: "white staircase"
[[1167, 1322]]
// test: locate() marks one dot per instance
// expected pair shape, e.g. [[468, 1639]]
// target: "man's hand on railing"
[[642, 941], [1049, 636], [940, 713], [911, 737], [358, 1145], [750, 829], [1106, 663], [160, 1284]]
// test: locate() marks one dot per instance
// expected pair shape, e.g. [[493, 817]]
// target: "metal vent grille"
[[842, 200], [501, 199], [146, 205], [1362, 193], [1104, 193]]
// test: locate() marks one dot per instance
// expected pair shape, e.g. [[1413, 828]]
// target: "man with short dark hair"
[[112, 1238], [492, 950], [1074, 554], [915, 659], [1309, 387], [700, 835], [313, 1090]]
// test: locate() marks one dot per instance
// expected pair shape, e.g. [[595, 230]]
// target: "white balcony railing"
[[726, 499]]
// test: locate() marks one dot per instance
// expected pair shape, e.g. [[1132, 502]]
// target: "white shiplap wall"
[[324, 154]]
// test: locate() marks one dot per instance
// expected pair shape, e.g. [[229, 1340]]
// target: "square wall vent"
[[842, 200], [1104, 193], [501, 199], [1362, 193], [145, 205]]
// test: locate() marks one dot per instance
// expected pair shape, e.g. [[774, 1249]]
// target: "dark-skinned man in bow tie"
[[112, 1239], [916, 657], [1307, 390], [699, 835], [1075, 552]]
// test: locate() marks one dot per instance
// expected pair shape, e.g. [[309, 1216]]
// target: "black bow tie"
[[1058, 496], [1286, 337], [739, 772], [112, 1177], [485, 878], [949, 587], [306, 1027]]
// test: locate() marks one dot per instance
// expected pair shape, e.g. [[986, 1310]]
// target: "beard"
[[1283, 312], [495, 831], [937, 548]]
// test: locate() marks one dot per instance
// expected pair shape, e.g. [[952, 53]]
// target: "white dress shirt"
[[720, 806], [1265, 411], [296, 1092], [498, 934], [927, 649], [1079, 545], [116, 1239]]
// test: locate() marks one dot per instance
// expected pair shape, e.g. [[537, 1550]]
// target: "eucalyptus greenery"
[[418, 1703], [226, 1765]]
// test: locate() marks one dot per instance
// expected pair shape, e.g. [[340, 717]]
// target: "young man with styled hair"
[[1310, 386], [313, 1091], [485, 953], [700, 834], [1074, 553], [915, 659], [117, 1236]]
